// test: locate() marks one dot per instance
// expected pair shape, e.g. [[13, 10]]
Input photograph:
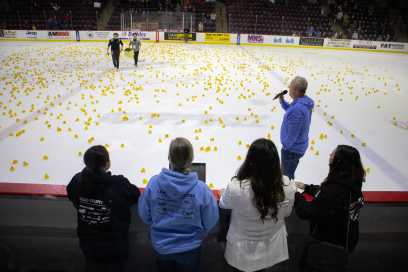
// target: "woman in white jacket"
[[260, 198]]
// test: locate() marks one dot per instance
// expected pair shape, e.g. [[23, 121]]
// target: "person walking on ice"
[[135, 44], [116, 46]]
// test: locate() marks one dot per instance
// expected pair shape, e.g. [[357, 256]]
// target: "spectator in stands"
[[56, 23], [213, 16], [180, 210], [310, 31], [295, 125], [55, 6], [260, 198], [335, 206], [51, 23], [346, 20], [355, 35], [336, 29], [102, 201], [339, 16], [66, 20], [324, 10]]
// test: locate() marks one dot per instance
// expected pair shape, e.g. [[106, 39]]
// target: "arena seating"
[[267, 18], [295, 17], [39, 14], [120, 6], [201, 9], [279, 17]]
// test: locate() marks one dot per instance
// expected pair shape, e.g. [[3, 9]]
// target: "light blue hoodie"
[[180, 210], [296, 124]]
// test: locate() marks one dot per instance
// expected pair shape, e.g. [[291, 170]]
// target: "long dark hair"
[[346, 164], [262, 168]]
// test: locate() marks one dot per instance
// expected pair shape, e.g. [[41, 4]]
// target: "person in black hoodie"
[[102, 201], [340, 192]]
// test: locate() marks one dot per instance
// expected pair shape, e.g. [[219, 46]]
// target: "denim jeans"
[[188, 261], [115, 58], [136, 56], [290, 162]]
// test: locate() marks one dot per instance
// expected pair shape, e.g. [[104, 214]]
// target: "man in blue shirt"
[[295, 125]]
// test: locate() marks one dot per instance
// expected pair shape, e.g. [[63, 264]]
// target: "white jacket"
[[252, 244]]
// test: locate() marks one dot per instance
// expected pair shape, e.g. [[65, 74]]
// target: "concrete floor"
[[38, 234]]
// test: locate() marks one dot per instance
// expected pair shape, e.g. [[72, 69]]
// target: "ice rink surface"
[[57, 99]]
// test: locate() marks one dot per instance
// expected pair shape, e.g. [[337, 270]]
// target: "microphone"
[[280, 94]]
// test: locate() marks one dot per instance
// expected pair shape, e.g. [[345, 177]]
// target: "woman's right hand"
[[300, 185]]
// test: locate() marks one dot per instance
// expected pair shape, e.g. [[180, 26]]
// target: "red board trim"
[[60, 191]]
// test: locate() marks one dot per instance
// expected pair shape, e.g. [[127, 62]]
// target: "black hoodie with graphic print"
[[103, 205]]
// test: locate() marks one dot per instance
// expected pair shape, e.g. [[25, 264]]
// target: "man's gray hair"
[[300, 84]]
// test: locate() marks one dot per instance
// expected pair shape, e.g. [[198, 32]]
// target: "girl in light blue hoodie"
[[180, 210]]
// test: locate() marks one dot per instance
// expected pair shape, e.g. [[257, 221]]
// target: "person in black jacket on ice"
[[116, 46], [103, 205], [340, 191]]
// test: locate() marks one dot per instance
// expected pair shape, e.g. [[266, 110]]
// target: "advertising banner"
[[8, 33], [284, 40], [311, 41], [217, 37], [225, 38], [391, 46], [97, 35], [87, 35], [365, 44], [124, 35], [177, 36], [144, 36], [254, 38], [101, 35], [337, 43], [59, 35], [31, 34]]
